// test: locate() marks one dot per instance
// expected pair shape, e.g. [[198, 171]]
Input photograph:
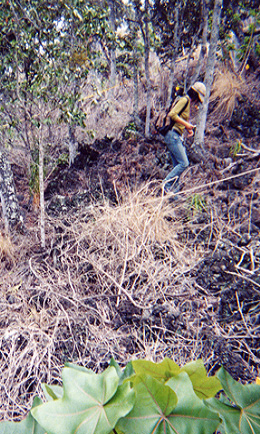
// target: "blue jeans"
[[179, 158]]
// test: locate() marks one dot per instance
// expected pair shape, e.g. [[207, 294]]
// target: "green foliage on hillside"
[[145, 397]]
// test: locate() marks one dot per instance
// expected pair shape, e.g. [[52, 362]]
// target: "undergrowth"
[[122, 281]]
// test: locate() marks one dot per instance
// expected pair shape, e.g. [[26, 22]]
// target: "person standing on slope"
[[174, 137]]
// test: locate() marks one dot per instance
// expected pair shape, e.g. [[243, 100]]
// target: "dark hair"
[[193, 95]]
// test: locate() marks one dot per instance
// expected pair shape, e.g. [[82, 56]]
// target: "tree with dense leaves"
[[45, 52], [241, 21]]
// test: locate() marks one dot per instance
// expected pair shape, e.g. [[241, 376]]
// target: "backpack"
[[163, 122]]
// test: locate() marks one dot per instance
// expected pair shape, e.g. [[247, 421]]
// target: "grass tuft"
[[228, 88]]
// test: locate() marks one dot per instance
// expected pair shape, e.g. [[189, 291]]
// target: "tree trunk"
[[203, 50], [136, 93], [136, 58], [73, 145], [176, 44], [147, 70], [41, 184], [198, 147], [112, 50], [10, 206]]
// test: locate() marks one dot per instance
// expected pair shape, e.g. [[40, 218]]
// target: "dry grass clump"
[[135, 243], [228, 88]]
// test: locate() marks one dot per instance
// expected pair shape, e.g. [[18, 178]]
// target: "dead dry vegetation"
[[129, 274], [227, 90]]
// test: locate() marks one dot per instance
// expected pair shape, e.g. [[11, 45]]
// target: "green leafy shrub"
[[146, 398]]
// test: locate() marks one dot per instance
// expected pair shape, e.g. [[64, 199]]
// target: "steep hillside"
[[129, 273]]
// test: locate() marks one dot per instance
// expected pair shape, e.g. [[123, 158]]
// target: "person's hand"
[[190, 129]]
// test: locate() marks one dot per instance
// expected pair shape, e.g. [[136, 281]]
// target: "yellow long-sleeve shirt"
[[174, 113]]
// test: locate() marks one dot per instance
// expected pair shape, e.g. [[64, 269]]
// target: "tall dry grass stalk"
[[228, 88]]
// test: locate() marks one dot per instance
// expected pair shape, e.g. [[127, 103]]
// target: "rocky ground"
[[128, 273]]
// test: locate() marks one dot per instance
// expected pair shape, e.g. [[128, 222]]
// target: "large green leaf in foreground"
[[244, 416], [171, 408], [154, 401], [160, 371], [90, 403], [26, 426], [190, 414], [204, 386]]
